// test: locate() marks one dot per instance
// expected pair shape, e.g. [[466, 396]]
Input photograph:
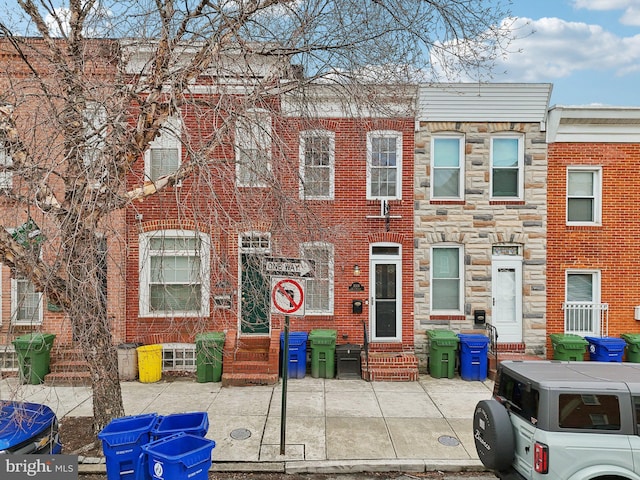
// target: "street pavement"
[[331, 425]]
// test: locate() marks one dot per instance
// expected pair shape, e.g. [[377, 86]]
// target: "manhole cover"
[[240, 434], [449, 441]]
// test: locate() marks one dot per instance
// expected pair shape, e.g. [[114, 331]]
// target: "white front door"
[[506, 316]]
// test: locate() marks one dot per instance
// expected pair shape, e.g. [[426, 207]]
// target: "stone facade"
[[479, 224]]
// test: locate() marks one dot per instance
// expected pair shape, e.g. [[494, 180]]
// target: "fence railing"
[[586, 318]]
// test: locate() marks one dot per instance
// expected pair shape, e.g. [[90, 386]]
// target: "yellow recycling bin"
[[149, 363]]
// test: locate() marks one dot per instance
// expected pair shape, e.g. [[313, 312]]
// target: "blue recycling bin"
[[297, 366], [179, 457], [606, 349], [193, 423], [122, 441], [473, 356]]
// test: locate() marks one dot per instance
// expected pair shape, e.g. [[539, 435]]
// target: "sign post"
[[287, 297]]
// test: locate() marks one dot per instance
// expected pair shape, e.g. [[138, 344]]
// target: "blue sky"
[[588, 49]]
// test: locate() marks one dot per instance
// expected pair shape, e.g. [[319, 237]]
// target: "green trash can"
[[323, 353], [34, 355], [633, 346], [209, 348], [568, 346], [443, 345]]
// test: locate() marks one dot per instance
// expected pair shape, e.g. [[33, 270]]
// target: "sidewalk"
[[332, 426]]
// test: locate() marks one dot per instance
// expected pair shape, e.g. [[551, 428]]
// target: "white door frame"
[[388, 259], [507, 318]]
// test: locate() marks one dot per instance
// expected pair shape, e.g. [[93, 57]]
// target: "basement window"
[[178, 357], [8, 359]]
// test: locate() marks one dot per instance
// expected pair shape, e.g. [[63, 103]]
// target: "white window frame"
[[596, 292], [398, 167], [145, 273], [329, 250], [520, 139], [6, 177], [170, 137], [597, 194], [304, 136], [15, 305], [461, 272], [461, 166], [258, 126]]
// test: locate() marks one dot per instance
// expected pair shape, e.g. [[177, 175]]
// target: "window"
[[584, 314], [522, 399], [6, 175], [583, 196], [178, 357], [589, 411], [253, 149], [319, 289], [384, 160], [447, 167], [446, 279], [507, 160], [165, 152], [174, 278], [95, 120], [317, 164], [26, 303]]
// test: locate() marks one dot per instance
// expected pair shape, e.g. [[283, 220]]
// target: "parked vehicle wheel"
[[493, 435]]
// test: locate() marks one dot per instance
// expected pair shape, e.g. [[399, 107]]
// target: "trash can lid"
[[633, 338], [34, 338], [437, 334], [567, 339], [323, 333], [210, 337]]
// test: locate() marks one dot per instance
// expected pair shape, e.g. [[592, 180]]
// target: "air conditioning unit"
[[636, 312]]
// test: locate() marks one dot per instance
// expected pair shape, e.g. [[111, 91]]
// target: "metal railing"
[[492, 332], [586, 318]]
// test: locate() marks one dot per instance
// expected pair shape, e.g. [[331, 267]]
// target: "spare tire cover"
[[493, 435]]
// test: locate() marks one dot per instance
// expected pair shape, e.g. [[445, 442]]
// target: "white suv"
[[559, 420]]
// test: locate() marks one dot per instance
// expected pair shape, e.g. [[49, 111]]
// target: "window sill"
[[583, 226]]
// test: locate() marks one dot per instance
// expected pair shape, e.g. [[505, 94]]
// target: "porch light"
[[356, 270]]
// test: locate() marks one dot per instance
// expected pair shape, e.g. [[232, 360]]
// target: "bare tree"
[[86, 88]]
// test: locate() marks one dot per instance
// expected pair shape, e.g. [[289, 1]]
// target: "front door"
[[254, 308], [386, 305], [507, 298]]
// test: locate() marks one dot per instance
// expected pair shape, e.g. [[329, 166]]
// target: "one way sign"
[[288, 267]]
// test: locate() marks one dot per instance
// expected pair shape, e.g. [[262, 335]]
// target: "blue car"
[[28, 428]]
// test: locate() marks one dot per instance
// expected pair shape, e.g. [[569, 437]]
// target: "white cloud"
[[631, 15], [559, 48]]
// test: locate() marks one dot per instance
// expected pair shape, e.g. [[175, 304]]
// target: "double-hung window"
[[26, 303], [174, 278], [446, 280], [6, 175], [583, 196], [447, 167], [317, 164], [165, 152], [319, 289], [95, 125], [253, 149], [507, 167], [384, 165]]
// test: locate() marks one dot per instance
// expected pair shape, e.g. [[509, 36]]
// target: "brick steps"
[[68, 368], [251, 360], [247, 379], [389, 367]]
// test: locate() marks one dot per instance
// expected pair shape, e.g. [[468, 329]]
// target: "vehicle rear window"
[[589, 411], [520, 398]]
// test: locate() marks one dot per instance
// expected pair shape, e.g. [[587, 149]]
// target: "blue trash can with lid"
[[178, 457], [297, 366], [606, 349], [474, 349], [122, 440]]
